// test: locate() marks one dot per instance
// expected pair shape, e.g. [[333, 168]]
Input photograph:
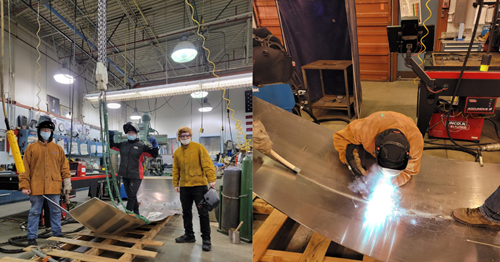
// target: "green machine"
[[152, 167]]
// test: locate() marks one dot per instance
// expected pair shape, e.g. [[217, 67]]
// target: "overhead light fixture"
[[199, 94], [184, 51], [63, 75], [205, 106], [181, 88], [68, 115], [135, 115], [114, 105]]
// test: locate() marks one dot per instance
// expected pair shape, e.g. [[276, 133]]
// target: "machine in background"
[[476, 96]]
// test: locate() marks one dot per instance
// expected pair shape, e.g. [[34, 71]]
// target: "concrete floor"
[[222, 250], [401, 96]]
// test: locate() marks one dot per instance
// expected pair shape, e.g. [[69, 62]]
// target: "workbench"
[[328, 101]]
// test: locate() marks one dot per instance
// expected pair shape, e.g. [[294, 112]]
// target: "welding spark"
[[382, 202]]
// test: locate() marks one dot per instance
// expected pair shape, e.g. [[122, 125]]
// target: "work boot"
[[474, 218], [32, 242], [185, 239], [207, 245]]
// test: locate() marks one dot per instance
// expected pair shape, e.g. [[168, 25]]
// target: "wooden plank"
[[147, 226], [266, 233], [12, 259], [125, 239], [75, 255], [261, 207], [285, 256], [119, 249], [153, 233], [138, 232], [316, 249], [369, 259]]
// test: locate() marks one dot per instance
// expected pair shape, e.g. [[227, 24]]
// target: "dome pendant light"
[[63, 75], [184, 51]]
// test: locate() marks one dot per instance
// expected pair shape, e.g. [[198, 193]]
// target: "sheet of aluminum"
[[101, 217], [157, 198], [318, 197]]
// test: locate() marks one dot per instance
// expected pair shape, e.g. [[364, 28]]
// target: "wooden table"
[[329, 102]]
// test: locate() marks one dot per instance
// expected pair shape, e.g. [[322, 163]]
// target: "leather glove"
[[67, 185], [153, 141], [353, 160], [402, 179], [261, 140]]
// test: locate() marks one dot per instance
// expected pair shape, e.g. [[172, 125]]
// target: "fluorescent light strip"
[[228, 82]]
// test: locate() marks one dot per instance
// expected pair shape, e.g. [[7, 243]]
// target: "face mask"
[[131, 137], [185, 141], [45, 135]]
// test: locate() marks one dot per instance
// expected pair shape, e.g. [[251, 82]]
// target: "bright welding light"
[[382, 201]]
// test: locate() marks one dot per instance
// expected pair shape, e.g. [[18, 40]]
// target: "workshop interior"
[[140, 113], [395, 147]]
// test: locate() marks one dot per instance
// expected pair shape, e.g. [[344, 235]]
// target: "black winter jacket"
[[132, 155]]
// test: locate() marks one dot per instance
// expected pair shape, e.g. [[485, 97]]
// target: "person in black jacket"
[[132, 153]]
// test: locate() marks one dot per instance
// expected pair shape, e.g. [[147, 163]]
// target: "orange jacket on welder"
[[364, 131], [192, 166], [46, 167]]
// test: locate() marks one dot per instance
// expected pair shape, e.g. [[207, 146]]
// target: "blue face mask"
[[131, 137], [45, 135]]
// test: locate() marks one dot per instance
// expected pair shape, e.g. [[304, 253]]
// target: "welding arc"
[[245, 144]]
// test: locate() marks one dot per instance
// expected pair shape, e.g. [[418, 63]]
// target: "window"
[[212, 144]]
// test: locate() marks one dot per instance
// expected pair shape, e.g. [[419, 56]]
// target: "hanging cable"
[[422, 45], [38, 61], [242, 141]]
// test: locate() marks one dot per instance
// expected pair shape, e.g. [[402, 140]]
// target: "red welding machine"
[[461, 127]]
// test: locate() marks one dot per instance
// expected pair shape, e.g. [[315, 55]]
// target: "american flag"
[[248, 111]]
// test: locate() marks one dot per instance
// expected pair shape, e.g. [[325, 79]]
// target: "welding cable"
[[38, 62], [465, 150], [103, 118], [496, 127], [421, 40], [240, 135], [457, 87]]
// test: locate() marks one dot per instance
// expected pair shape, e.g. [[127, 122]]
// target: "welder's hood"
[[271, 62], [392, 149], [46, 124]]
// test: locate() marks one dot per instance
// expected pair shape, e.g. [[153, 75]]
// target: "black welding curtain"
[[317, 30]]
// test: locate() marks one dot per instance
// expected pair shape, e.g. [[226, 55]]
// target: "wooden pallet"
[[82, 239], [315, 251]]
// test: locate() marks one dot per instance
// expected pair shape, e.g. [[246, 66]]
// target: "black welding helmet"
[[47, 123], [210, 200], [131, 126], [392, 149]]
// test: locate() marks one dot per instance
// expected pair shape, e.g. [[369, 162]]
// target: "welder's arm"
[[261, 140], [413, 167], [353, 161]]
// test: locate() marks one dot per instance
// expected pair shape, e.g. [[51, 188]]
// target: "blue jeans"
[[36, 210], [491, 207]]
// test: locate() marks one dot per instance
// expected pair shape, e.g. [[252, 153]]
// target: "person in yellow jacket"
[[192, 171], [46, 168], [392, 138]]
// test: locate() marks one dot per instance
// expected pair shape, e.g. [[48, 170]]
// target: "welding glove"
[[353, 160], [261, 140], [153, 142], [111, 135], [402, 179], [67, 185]]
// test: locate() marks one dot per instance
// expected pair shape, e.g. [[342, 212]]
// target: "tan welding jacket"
[[192, 166], [45, 168], [364, 131]]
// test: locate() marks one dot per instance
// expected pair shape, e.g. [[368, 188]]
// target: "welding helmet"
[[131, 126], [210, 200], [46, 124], [392, 150]]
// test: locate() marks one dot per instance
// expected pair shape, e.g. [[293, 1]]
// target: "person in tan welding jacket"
[[392, 138]]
